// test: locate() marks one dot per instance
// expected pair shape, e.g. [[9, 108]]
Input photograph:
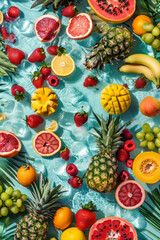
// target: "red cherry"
[[129, 163], [75, 182], [124, 176]]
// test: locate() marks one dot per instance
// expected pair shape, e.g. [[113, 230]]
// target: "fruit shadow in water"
[[133, 109], [77, 74]]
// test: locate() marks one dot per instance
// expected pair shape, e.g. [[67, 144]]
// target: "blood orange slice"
[[46, 143], [10, 145], [80, 26], [130, 194], [47, 27], [112, 228]]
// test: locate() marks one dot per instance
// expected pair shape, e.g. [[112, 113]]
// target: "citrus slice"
[[3, 116], [130, 194], [53, 127], [10, 145], [80, 26], [47, 27], [1, 17], [46, 143], [63, 65]]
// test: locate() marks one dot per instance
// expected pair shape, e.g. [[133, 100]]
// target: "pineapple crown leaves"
[[61, 51], [89, 206]]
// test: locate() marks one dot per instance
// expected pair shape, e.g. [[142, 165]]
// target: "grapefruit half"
[[80, 26], [10, 144], [46, 143], [112, 228], [130, 194], [47, 27]]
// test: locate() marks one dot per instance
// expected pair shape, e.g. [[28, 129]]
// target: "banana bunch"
[[143, 64]]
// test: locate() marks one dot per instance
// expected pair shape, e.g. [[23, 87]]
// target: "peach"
[[150, 106]]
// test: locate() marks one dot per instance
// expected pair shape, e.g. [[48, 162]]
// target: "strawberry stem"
[[65, 149], [89, 206], [61, 51]]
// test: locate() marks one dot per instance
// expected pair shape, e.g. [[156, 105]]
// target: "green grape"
[[156, 130], [149, 38], [149, 136], [156, 31], [14, 209], [143, 36], [158, 25], [158, 150], [16, 194], [1, 203], [53, 238], [0, 214], [151, 145], [158, 135], [4, 211], [156, 43], [8, 202], [9, 191], [157, 142], [146, 128], [143, 143], [19, 203], [140, 135], [148, 27], [24, 197], [4, 196], [22, 208], [1, 189]]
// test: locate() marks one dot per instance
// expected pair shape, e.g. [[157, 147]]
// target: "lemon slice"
[[3, 116], [63, 65], [53, 127], [1, 17]]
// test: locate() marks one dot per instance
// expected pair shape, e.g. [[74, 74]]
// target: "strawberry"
[[129, 145], [140, 82], [86, 217], [126, 134], [45, 70], [53, 81], [122, 155], [38, 55], [4, 33], [15, 55], [81, 118], [69, 11], [12, 38], [55, 50], [34, 121], [75, 182], [37, 80], [124, 176], [71, 169], [90, 81], [13, 12], [65, 154], [18, 92], [129, 163]]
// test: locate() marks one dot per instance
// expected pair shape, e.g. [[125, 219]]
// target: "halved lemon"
[[3, 116], [1, 17], [63, 65], [53, 127]]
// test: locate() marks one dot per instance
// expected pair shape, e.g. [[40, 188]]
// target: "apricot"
[[150, 106]]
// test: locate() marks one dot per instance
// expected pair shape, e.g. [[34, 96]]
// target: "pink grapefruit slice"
[[130, 194], [10, 144], [46, 143], [112, 228], [47, 27], [80, 26]]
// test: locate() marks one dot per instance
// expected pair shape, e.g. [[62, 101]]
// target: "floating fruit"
[[146, 167], [65, 154], [26, 175], [46, 143], [112, 228], [73, 234], [113, 11], [150, 107], [47, 27], [62, 218], [3, 116], [1, 17], [10, 145], [44, 102], [115, 99], [53, 127], [80, 26], [130, 194], [137, 24]]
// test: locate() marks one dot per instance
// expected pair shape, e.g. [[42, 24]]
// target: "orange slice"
[[3, 116], [1, 17], [53, 127]]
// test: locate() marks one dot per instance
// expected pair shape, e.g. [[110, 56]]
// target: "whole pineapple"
[[101, 176], [115, 44], [56, 3], [34, 226]]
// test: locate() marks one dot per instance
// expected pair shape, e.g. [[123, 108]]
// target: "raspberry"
[[126, 134], [71, 169], [129, 145], [129, 163], [53, 81], [124, 176], [12, 38], [122, 155]]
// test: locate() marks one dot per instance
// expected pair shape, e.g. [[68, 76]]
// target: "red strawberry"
[[38, 55], [18, 92], [37, 80], [69, 11], [75, 182], [55, 50], [12, 38], [129, 163], [124, 176], [86, 217], [45, 70], [15, 55], [65, 154], [71, 169], [140, 82], [13, 12], [53, 81], [34, 121], [81, 118], [4, 33], [126, 134], [90, 81], [122, 155], [129, 145]]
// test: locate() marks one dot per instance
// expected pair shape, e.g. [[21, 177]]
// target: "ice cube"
[[7, 106]]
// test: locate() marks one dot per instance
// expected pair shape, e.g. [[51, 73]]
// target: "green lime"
[[143, 143], [4, 196], [8, 202], [151, 145], [4, 211], [156, 43], [146, 128], [149, 136], [140, 135], [156, 130], [9, 191], [157, 142], [148, 27], [156, 31]]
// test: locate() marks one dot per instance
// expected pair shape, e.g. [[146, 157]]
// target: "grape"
[[149, 136], [148, 27], [156, 130], [157, 142], [19, 203], [22, 208], [8, 202], [9, 191], [1, 203], [143, 143], [151, 145], [14, 209], [156, 43], [158, 150], [158, 25], [4, 196], [140, 135], [156, 31], [4, 211], [158, 135], [148, 38], [1, 189], [24, 197], [146, 128], [16, 194]]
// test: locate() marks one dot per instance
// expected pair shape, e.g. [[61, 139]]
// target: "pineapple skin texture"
[[31, 227], [44, 102], [102, 173], [115, 99]]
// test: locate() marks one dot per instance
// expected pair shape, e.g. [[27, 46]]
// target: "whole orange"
[[26, 175], [137, 24], [62, 218]]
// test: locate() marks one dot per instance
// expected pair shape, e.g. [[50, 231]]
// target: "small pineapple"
[[115, 44], [101, 176], [34, 226], [56, 3]]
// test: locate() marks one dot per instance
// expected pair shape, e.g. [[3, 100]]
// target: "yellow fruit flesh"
[[1, 17], [44, 102], [73, 234], [115, 99], [53, 127], [3, 116]]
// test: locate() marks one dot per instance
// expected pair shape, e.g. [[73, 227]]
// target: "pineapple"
[[56, 3], [115, 44], [101, 176], [34, 226]]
